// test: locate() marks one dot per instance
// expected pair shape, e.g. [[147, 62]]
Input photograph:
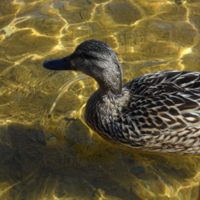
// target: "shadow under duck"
[[156, 112]]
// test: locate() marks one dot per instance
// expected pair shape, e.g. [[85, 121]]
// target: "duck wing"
[[164, 109]]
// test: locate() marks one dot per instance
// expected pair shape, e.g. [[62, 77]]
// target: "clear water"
[[46, 150]]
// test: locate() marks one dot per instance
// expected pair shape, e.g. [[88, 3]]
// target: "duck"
[[156, 112]]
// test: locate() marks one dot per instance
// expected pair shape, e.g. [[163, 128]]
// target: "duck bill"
[[59, 64]]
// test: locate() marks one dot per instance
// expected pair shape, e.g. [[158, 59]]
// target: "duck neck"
[[111, 82], [112, 89]]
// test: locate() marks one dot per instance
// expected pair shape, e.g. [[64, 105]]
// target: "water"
[[47, 152]]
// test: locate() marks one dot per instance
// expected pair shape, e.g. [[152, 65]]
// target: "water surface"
[[47, 151]]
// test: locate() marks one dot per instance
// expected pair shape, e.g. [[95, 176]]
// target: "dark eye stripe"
[[87, 55], [73, 56]]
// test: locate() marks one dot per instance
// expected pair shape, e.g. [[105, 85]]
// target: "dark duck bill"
[[59, 64]]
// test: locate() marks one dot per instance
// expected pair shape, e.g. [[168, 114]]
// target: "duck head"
[[96, 59]]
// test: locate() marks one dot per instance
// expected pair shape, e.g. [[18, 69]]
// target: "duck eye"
[[82, 55]]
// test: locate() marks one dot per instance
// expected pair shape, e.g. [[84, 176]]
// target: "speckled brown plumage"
[[157, 112], [160, 112]]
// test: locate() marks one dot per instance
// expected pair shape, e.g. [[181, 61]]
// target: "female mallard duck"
[[157, 112]]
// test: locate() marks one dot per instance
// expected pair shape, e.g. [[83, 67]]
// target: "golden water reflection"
[[47, 152]]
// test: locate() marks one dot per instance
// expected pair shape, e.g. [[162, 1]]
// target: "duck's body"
[[157, 112]]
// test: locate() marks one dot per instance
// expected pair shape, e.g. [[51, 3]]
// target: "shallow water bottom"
[[34, 166]]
